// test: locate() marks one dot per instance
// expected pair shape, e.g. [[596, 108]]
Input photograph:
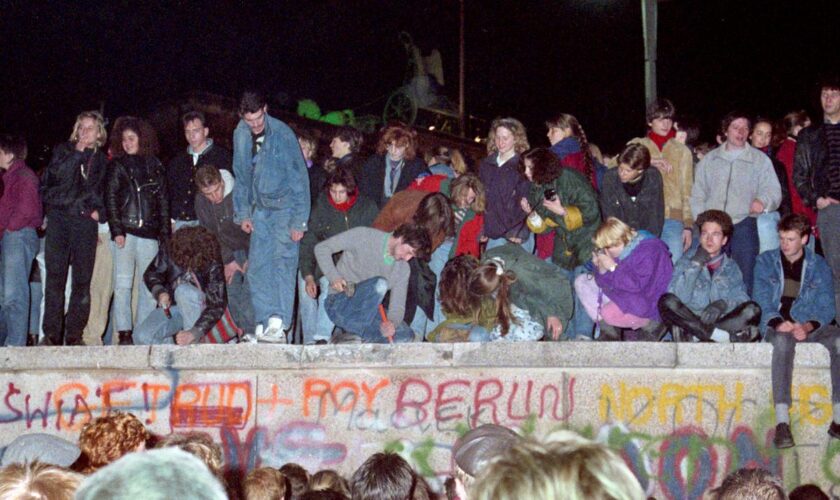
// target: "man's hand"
[[701, 256], [339, 285], [525, 206], [295, 234], [184, 337], [553, 327], [825, 201], [686, 238], [95, 215], [785, 327], [799, 332], [555, 206], [120, 241], [311, 287], [662, 165], [756, 207], [164, 300], [230, 271], [247, 226], [516, 240], [387, 329]]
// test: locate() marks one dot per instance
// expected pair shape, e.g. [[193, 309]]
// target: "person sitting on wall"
[[372, 263], [190, 270], [632, 192], [632, 270], [794, 288], [707, 297]]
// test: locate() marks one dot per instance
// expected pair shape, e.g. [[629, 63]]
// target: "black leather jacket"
[[74, 181], [135, 195], [162, 276]]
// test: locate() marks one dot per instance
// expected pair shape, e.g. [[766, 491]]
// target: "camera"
[[550, 194]]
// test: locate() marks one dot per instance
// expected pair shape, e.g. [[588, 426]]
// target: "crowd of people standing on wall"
[[664, 241]]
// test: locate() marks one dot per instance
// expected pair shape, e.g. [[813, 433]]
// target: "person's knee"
[[752, 312], [668, 302], [380, 286]]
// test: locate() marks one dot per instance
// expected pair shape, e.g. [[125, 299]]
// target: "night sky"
[[526, 59]]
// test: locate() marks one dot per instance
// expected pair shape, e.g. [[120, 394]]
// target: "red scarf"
[[660, 140], [347, 205]]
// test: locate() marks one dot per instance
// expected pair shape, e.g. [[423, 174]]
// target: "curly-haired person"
[[105, 439], [190, 270]]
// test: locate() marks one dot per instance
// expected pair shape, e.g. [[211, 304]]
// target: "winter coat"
[[74, 181], [327, 221], [676, 184], [136, 197], [163, 275], [541, 288], [504, 187], [641, 276], [731, 186], [570, 155], [372, 180], [786, 156], [697, 288], [815, 301], [811, 165], [646, 212], [572, 232], [20, 205]]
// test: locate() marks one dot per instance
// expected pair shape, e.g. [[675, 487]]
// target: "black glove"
[[713, 311], [701, 256]]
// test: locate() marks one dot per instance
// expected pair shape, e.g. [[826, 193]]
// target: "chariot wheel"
[[400, 107]]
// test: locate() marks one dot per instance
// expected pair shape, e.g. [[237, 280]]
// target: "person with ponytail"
[[569, 144], [503, 299]]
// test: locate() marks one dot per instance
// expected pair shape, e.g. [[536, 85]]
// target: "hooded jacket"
[[218, 219]]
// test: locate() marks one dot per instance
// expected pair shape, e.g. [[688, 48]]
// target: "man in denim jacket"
[[271, 203], [794, 288], [707, 297]]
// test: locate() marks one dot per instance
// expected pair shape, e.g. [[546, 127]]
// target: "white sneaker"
[[253, 338], [274, 332]]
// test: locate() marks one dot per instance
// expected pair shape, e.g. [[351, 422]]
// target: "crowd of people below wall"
[[663, 241], [116, 457]]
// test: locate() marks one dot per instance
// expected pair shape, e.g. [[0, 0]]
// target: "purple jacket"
[[504, 186], [20, 206], [641, 277]]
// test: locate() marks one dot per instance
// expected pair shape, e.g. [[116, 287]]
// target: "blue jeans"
[[131, 261], [156, 328], [239, 296], [18, 251], [421, 323], [768, 232], [359, 314], [672, 232], [580, 324], [315, 322], [743, 248], [272, 267]]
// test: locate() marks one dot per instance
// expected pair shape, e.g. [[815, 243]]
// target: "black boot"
[[73, 339], [609, 333], [125, 337]]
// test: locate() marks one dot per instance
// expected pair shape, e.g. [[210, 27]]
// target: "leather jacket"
[[135, 196], [163, 275]]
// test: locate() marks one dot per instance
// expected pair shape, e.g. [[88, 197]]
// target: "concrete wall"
[[682, 415]]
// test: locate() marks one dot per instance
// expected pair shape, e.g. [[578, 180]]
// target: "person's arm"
[[215, 301], [163, 203], [26, 203], [242, 171], [768, 191], [310, 239], [156, 274], [699, 192], [803, 168], [298, 179], [338, 243], [764, 289], [113, 188], [658, 208], [824, 293], [608, 199], [95, 186], [686, 179]]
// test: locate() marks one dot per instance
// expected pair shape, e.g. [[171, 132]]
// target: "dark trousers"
[[784, 349], [675, 313], [70, 241], [743, 248]]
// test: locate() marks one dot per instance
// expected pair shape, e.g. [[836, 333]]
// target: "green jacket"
[[572, 233], [541, 288], [325, 222]]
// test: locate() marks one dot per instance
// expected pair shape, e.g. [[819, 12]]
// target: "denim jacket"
[[697, 288], [816, 289], [275, 179]]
